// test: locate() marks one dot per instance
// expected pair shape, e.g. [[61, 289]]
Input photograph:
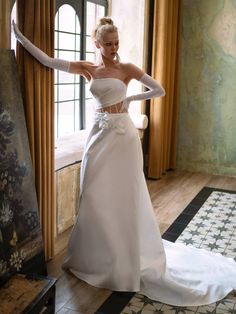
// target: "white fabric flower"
[[103, 120]]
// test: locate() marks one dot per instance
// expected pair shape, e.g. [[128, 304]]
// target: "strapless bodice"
[[107, 91]]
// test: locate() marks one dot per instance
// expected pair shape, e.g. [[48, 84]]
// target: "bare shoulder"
[[132, 71]]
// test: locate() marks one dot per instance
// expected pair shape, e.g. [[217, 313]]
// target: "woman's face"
[[109, 44]]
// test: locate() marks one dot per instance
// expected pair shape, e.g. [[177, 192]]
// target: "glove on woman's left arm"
[[155, 90]]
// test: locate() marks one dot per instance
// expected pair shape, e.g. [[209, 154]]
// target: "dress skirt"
[[116, 243]]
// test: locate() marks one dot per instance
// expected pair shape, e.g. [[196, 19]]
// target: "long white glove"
[[155, 90], [38, 54]]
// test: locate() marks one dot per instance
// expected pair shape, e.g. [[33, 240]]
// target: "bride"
[[116, 243]]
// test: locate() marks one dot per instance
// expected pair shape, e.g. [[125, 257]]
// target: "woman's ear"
[[97, 44]]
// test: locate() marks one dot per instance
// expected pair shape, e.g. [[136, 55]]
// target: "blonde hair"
[[104, 25]]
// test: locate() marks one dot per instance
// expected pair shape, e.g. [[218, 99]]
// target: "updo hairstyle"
[[104, 25]]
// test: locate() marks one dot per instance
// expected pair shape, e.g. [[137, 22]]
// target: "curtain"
[[5, 23], [164, 111], [36, 21]]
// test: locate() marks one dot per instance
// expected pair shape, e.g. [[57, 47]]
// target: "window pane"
[[66, 18], [77, 45], [55, 93], [89, 113], [66, 118], [87, 91], [56, 21], [77, 56], [77, 91], [89, 44], [55, 121], [66, 92], [55, 76], [91, 17], [64, 77], [100, 11], [56, 41], [94, 13], [66, 55], [77, 115], [90, 57], [67, 47], [67, 41], [13, 37], [77, 78], [77, 25]]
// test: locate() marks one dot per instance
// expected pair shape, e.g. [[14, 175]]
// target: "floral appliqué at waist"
[[104, 120]]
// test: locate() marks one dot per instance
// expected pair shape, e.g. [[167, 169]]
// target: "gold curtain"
[[164, 111], [36, 21]]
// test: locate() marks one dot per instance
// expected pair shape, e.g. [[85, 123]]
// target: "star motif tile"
[[212, 228]]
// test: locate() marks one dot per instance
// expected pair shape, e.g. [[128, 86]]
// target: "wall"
[[207, 119]]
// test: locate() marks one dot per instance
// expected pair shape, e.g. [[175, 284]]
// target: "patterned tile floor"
[[213, 228]]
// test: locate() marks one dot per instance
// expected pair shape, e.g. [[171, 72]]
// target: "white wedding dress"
[[116, 242]]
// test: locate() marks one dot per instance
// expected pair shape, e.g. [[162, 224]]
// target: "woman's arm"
[[54, 63]]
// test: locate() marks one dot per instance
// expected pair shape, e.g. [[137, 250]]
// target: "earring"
[[117, 57]]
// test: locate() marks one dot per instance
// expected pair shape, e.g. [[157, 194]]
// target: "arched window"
[[74, 22]]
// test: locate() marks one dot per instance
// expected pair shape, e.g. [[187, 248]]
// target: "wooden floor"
[[169, 196]]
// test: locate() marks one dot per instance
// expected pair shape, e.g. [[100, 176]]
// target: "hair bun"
[[105, 24], [106, 20]]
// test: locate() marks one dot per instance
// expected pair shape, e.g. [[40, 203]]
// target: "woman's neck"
[[108, 63]]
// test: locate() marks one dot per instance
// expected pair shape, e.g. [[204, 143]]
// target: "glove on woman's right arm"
[[38, 54]]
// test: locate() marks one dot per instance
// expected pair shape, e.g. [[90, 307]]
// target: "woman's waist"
[[118, 121], [115, 108]]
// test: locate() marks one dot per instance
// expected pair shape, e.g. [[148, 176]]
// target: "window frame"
[[80, 7]]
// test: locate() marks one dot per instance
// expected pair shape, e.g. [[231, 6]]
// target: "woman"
[[116, 243]]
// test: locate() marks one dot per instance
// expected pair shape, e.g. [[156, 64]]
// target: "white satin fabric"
[[107, 91], [116, 242]]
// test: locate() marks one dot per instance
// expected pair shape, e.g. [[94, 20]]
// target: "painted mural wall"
[[207, 117]]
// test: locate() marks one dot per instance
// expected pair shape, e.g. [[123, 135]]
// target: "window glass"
[[66, 41], [91, 17], [67, 47], [77, 91], [66, 55], [72, 95], [77, 114], [89, 44], [66, 19], [90, 56], [66, 92], [64, 77], [66, 118], [13, 17]]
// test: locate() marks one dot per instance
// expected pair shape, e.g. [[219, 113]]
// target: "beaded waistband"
[[117, 108]]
